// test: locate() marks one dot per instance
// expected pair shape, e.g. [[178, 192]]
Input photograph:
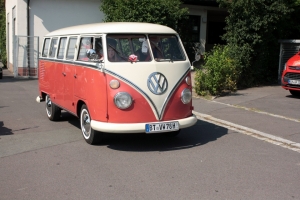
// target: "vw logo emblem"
[[157, 83]]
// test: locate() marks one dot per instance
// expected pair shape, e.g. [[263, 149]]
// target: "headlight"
[[123, 100], [186, 96]]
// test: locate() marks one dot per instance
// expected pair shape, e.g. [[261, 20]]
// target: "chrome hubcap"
[[48, 106], [85, 124]]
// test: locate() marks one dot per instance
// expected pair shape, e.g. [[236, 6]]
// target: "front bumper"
[[136, 127]]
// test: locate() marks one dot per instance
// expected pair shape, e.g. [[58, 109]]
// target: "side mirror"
[[91, 54]]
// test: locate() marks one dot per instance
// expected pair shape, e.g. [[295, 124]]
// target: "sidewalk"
[[6, 74], [270, 109]]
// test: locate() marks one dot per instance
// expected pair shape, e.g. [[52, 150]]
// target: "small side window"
[[85, 44], [53, 48], [71, 48], [62, 47], [46, 47]]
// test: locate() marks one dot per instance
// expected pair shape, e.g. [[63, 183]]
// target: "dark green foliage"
[[2, 33], [256, 26], [165, 12]]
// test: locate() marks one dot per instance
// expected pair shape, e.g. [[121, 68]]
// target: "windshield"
[[136, 48]]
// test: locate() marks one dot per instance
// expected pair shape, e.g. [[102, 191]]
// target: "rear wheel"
[[89, 134], [53, 112], [295, 93]]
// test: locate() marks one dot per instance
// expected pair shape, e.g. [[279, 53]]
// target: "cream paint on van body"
[[138, 73]]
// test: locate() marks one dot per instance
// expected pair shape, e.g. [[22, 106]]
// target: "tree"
[[165, 12], [2, 33], [254, 27]]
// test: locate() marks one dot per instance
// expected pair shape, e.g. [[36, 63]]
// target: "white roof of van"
[[113, 27]]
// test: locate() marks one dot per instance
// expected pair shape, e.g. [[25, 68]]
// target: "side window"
[[99, 48], [46, 47], [62, 47], [53, 47], [85, 44], [71, 48]]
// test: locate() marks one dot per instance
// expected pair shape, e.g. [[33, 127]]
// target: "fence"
[[288, 48], [26, 56]]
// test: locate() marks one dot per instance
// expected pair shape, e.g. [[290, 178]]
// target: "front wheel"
[[295, 93], [53, 112], [89, 134]]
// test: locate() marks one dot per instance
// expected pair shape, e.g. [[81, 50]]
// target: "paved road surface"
[[40, 159]]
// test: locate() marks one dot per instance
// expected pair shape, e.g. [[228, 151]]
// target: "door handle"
[[75, 75], [64, 73]]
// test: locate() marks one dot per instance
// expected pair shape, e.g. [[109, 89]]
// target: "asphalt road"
[[40, 159]]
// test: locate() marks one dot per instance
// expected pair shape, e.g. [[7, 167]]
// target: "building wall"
[[18, 21], [48, 15]]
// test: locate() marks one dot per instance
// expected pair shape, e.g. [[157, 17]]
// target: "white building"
[[36, 18]]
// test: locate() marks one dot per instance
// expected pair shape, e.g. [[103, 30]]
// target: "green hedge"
[[3, 34]]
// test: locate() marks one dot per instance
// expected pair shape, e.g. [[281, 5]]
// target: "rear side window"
[[62, 47], [71, 48], [53, 48], [46, 47]]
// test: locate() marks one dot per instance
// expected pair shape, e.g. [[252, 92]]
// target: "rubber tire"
[[172, 134], [295, 93], [53, 112], [90, 135]]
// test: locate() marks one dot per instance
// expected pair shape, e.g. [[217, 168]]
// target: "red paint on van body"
[[68, 84], [140, 110]]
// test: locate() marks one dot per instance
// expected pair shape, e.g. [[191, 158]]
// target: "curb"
[[248, 131]]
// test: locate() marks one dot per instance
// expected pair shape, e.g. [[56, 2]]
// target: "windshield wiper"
[[164, 59]]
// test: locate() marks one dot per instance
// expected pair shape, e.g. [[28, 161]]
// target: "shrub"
[[219, 73], [3, 34]]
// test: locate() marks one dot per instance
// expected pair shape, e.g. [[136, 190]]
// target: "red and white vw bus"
[[117, 78]]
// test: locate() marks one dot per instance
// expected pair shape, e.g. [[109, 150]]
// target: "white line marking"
[[248, 131]]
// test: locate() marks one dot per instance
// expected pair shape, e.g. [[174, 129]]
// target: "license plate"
[[162, 127], [294, 82]]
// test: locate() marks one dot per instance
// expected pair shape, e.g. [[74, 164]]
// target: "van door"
[[69, 73]]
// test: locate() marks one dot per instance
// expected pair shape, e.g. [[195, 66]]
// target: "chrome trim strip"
[[94, 65]]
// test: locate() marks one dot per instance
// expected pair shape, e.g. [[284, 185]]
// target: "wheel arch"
[[78, 108]]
